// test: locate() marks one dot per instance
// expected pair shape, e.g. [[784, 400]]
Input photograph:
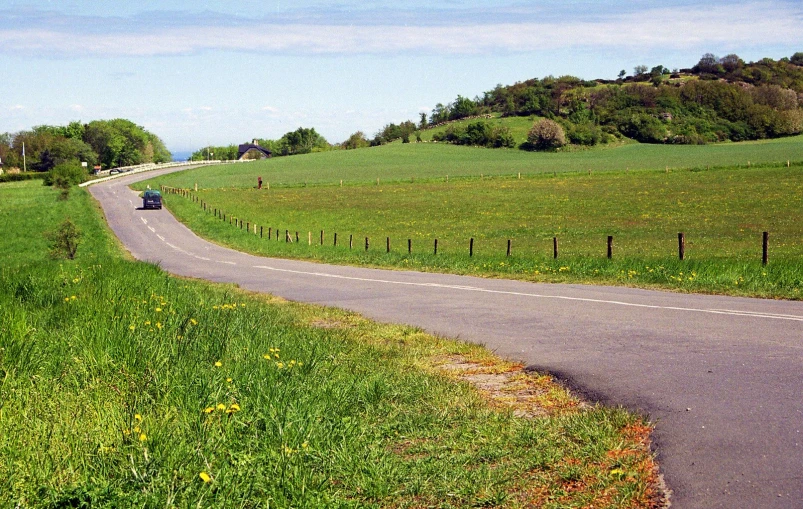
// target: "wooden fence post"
[[555, 247], [335, 244], [765, 247], [260, 232], [321, 237], [309, 238], [388, 244], [409, 246], [270, 233], [366, 243], [436, 246], [351, 241], [508, 247], [296, 237], [287, 236], [610, 246], [681, 246], [471, 247]]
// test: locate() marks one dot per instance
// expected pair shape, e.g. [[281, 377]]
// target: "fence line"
[[220, 214]]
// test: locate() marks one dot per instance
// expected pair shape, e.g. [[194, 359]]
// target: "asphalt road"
[[722, 377]]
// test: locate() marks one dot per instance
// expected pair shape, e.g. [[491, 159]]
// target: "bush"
[[545, 135], [64, 240], [67, 174]]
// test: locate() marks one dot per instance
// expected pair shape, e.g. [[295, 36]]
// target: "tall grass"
[[122, 386]]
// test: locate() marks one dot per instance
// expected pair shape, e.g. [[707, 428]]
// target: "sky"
[[221, 72]]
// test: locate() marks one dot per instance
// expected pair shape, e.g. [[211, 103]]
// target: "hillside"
[[719, 99]]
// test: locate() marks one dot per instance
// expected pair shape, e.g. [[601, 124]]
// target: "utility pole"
[[24, 163]]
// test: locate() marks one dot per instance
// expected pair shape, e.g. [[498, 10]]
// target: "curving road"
[[722, 377]]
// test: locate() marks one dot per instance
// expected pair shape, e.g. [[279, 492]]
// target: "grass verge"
[[122, 385]]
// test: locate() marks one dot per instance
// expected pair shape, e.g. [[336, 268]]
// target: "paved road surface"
[[721, 376]]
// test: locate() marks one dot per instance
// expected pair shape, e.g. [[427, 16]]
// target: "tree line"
[[109, 143], [301, 141]]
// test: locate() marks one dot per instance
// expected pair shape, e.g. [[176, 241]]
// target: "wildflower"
[[73, 297], [305, 445], [280, 365], [143, 437], [193, 321], [228, 380], [159, 325], [132, 327], [66, 299], [205, 477], [218, 364], [147, 322], [126, 432], [158, 310], [266, 356], [209, 409], [138, 417], [137, 429], [234, 407], [221, 407]]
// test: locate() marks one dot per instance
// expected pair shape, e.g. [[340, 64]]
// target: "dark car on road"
[[152, 199]]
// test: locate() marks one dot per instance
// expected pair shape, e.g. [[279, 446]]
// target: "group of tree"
[[301, 141], [716, 100], [110, 143]]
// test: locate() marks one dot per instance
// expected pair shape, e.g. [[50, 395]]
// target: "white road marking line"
[[202, 258], [144, 220], [752, 314], [160, 237], [224, 261], [151, 228]]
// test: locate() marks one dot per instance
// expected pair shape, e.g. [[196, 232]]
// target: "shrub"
[[67, 174], [545, 135], [64, 240]]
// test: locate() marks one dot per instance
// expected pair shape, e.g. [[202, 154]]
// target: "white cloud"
[[734, 25]]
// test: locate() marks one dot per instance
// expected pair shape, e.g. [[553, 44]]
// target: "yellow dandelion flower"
[[228, 380], [234, 407], [205, 477], [73, 297], [126, 432], [132, 327], [159, 325], [266, 356], [143, 437], [280, 365], [158, 310], [138, 417], [221, 407], [209, 409], [137, 429], [276, 355], [147, 322], [193, 321], [218, 364], [305, 445], [66, 299]]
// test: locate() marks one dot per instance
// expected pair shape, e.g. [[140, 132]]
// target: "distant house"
[[246, 147]]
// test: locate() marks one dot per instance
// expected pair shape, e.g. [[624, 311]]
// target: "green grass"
[[722, 213], [121, 386], [426, 161]]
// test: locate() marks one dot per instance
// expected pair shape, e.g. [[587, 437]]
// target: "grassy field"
[[122, 386], [426, 161], [722, 213]]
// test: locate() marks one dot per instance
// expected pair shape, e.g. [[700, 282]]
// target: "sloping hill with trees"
[[719, 99]]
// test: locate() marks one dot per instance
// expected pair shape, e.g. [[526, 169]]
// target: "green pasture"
[[121, 386], [434, 161], [722, 213]]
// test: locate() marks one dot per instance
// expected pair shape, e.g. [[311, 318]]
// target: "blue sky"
[[220, 72]]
